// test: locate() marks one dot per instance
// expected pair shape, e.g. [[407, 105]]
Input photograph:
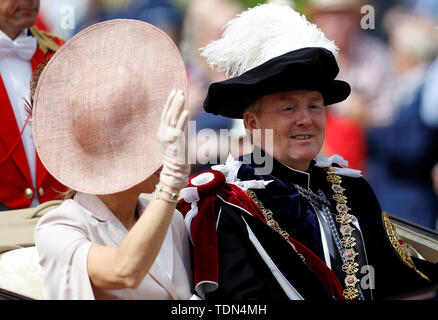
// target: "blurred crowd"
[[388, 127]]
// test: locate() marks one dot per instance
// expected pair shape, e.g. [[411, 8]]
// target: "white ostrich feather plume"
[[260, 34]]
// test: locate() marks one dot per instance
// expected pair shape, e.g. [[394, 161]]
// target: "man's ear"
[[250, 121]]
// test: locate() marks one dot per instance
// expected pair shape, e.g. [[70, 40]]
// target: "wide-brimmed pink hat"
[[98, 103]]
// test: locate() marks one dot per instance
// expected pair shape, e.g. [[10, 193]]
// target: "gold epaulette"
[[44, 40], [401, 251]]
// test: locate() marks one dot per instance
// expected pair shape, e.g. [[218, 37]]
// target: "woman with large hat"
[[100, 128]]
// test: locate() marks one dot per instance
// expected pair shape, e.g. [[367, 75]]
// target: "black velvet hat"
[[310, 68]]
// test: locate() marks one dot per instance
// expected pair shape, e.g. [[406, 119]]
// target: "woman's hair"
[[33, 84], [69, 194]]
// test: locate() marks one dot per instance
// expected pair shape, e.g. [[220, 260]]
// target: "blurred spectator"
[[160, 13], [62, 16], [24, 182], [203, 24], [402, 154], [365, 63], [427, 8]]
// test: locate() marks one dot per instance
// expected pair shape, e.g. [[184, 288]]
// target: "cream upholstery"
[[20, 272]]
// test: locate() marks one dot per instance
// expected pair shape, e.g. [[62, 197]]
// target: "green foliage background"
[[299, 4]]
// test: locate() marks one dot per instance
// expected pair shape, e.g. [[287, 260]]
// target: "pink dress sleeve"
[[62, 243]]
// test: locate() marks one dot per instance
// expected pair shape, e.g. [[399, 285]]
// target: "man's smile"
[[302, 137]]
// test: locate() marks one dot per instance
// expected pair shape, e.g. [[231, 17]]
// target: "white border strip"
[[290, 291]]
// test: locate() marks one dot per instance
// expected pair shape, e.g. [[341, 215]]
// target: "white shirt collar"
[[22, 34]]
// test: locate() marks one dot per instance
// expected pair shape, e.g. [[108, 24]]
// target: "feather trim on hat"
[[260, 34]]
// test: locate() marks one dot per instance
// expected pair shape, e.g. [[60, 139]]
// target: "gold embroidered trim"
[[271, 222], [402, 253], [44, 42]]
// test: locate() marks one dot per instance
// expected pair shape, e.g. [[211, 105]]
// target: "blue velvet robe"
[[391, 276]]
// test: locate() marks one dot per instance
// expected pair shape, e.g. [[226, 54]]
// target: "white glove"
[[175, 170]]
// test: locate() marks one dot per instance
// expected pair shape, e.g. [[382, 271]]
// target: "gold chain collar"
[[270, 221], [350, 267]]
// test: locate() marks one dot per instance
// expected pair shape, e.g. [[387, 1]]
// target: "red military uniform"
[[16, 187]]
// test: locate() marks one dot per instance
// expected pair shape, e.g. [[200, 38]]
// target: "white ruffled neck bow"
[[230, 170], [324, 162]]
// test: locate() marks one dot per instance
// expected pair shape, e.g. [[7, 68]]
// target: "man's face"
[[298, 122], [17, 15]]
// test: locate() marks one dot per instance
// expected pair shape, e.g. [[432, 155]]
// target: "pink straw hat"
[[98, 104]]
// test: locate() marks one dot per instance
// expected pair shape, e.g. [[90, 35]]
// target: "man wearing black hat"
[[317, 231]]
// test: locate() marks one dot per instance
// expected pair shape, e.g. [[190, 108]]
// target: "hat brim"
[[304, 69], [98, 105]]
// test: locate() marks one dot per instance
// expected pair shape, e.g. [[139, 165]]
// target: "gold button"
[[41, 192], [28, 193]]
